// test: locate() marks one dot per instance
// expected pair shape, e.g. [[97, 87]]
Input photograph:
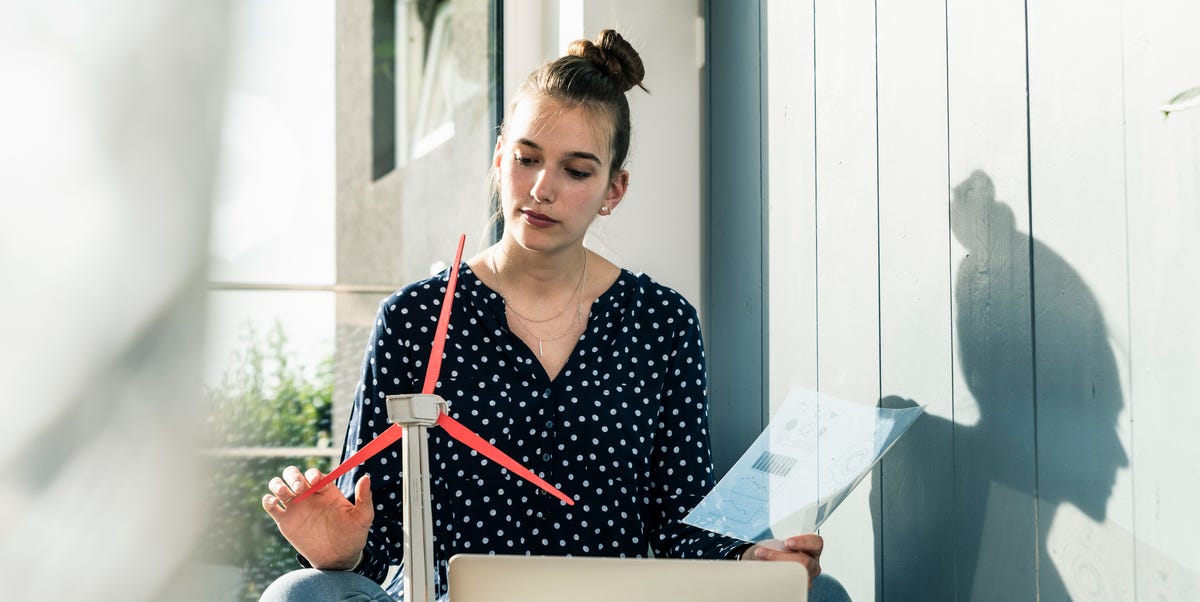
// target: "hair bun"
[[614, 56]]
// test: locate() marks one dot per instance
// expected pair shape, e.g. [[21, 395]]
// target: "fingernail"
[[760, 553], [268, 499], [296, 486]]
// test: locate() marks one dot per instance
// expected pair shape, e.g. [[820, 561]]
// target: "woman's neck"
[[535, 274]]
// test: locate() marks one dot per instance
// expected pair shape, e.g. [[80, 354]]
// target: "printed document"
[[805, 463]]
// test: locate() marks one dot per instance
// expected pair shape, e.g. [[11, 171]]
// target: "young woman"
[[590, 375]]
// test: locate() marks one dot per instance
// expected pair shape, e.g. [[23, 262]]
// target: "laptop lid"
[[484, 578]]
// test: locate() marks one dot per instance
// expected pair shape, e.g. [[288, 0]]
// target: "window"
[[310, 230], [270, 328]]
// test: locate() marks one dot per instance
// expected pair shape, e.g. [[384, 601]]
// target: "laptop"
[[486, 578]]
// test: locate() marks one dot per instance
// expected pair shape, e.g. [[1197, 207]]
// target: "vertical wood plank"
[[847, 251], [1162, 59], [1080, 301], [915, 483], [791, 198], [995, 539]]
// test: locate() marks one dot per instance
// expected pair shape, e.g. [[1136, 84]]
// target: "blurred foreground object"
[[109, 123]]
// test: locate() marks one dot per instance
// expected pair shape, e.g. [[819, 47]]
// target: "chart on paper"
[[814, 452]]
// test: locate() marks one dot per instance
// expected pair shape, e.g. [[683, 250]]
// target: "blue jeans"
[[827, 589], [312, 585]]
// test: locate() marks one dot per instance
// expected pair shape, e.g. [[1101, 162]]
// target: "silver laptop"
[[483, 578]]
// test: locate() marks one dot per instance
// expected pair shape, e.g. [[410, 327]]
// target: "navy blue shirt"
[[622, 430]]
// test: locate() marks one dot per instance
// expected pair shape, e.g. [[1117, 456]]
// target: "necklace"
[[528, 320], [525, 322]]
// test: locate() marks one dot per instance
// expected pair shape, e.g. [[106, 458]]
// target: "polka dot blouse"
[[622, 430]]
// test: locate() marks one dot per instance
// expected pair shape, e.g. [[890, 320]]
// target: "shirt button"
[[549, 424], [546, 457], [546, 393]]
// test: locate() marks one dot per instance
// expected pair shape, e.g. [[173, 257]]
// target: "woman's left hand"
[[805, 549]]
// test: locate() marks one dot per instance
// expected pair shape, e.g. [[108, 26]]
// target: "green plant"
[[265, 400]]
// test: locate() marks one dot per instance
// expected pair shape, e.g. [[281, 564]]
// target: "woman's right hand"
[[325, 528]]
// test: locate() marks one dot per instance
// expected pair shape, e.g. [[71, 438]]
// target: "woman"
[[590, 375]]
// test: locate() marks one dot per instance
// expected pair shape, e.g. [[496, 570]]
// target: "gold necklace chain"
[[541, 342], [526, 321]]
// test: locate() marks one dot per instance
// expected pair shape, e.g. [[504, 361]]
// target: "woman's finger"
[[281, 490], [313, 475], [811, 544], [810, 563], [295, 480], [764, 553], [362, 492], [273, 506]]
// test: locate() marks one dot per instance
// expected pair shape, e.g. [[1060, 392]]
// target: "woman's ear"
[[496, 153], [616, 190]]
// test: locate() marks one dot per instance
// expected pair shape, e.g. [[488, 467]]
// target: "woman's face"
[[553, 166]]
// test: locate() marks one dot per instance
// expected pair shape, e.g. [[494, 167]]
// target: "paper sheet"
[[805, 463]]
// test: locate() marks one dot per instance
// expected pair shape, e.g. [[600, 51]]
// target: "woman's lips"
[[537, 219]]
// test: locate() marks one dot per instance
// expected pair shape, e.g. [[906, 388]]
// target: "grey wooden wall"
[[982, 208]]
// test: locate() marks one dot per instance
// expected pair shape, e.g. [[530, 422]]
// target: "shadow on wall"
[[964, 512]]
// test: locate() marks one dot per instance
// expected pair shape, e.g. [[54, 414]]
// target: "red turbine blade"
[[432, 371], [479, 444], [376, 445]]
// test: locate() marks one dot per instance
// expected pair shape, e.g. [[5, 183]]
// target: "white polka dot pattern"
[[623, 429]]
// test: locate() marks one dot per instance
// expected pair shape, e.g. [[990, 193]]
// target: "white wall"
[[986, 212]]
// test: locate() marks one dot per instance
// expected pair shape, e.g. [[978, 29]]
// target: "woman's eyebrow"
[[576, 154]]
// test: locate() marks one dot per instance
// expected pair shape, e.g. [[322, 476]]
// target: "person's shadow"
[[962, 509]]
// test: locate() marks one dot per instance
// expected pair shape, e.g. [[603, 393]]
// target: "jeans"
[[827, 589], [312, 585]]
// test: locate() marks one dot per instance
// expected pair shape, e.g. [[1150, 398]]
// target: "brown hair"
[[594, 75]]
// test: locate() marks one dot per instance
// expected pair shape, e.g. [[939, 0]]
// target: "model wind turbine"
[[411, 416]]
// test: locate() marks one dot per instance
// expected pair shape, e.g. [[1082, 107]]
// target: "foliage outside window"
[[265, 401]]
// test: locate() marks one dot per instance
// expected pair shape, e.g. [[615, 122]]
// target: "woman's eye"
[[523, 160], [577, 174]]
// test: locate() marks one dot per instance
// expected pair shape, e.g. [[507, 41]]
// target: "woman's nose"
[[543, 188]]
